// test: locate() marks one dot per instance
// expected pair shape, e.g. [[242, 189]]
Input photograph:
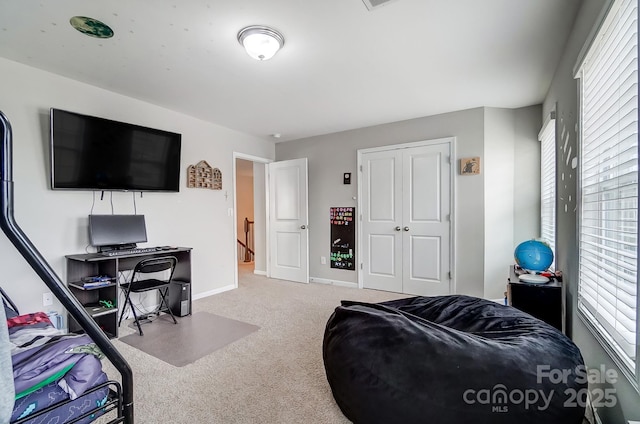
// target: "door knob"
[[406, 228], [302, 227], [398, 228]]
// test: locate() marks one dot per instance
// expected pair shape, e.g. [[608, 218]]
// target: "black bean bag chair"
[[450, 360]]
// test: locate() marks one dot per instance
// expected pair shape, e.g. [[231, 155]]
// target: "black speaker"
[[180, 298]]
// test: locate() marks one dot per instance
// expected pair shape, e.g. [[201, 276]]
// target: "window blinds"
[[548, 183], [608, 247]]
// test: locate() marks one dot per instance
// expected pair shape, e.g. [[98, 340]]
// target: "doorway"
[[245, 215], [276, 194], [250, 215]]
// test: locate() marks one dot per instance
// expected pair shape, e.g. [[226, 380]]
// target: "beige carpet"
[[193, 337], [274, 375]]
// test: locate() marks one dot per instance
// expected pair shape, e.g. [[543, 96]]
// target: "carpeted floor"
[[274, 375]]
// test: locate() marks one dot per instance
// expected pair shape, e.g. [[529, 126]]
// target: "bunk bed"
[[57, 377]]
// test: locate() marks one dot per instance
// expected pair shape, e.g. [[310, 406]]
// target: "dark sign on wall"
[[343, 238]]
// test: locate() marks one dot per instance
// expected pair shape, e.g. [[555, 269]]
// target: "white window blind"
[[608, 221], [547, 139]]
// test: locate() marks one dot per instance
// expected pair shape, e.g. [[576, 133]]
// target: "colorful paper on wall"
[[343, 236]]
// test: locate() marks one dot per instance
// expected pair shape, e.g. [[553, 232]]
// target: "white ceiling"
[[342, 66]]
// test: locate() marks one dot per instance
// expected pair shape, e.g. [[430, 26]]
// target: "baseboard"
[[259, 272], [333, 282], [213, 292]]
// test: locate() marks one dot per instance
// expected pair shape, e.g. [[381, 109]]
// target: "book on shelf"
[[96, 283], [92, 284], [96, 279]]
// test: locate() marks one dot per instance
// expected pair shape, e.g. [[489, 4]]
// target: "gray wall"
[[331, 155], [499, 156], [564, 93], [56, 221], [526, 212], [512, 188], [260, 220]]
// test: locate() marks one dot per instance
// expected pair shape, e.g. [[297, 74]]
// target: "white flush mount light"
[[260, 42]]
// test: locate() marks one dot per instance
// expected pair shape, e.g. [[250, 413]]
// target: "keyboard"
[[137, 251]]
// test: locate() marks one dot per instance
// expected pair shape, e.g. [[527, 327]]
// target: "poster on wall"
[[343, 238]]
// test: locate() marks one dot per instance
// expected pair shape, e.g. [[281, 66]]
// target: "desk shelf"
[[81, 266], [80, 286], [98, 310]]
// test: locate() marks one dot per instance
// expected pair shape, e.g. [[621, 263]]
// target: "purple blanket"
[[34, 366], [52, 394]]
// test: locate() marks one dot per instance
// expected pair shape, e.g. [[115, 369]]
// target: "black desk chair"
[[147, 266]]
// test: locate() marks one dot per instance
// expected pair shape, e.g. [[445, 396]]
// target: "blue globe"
[[533, 255]]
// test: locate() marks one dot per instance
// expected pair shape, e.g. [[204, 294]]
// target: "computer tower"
[[180, 298]]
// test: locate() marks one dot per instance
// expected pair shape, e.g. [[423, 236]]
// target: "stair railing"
[[249, 241]]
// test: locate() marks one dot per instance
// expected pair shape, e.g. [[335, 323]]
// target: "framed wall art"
[[470, 166]]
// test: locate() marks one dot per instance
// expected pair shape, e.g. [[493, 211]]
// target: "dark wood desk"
[[543, 301], [93, 264]]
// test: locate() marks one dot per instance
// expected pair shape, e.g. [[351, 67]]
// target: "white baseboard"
[[213, 292], [333, 282], [259, 272]]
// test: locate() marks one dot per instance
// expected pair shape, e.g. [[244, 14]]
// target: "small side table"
[[544, 301]]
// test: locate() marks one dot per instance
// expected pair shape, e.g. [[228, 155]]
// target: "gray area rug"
[[194, 337]]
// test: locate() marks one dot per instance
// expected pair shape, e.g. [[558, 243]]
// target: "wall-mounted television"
[[91, 153]]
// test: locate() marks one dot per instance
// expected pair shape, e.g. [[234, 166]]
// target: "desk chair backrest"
[[152, 265]]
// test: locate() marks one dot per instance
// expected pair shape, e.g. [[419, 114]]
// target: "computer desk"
[[96, 264]]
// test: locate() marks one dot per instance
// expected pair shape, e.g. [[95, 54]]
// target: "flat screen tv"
[[90, 153], [116, 231]]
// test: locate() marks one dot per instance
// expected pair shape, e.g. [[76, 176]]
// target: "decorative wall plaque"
[[202, 175]]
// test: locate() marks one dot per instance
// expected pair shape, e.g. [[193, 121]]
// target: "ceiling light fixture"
[[260, 42]]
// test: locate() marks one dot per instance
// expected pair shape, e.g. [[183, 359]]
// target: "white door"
[[382, 220], [288, 220], [425, 220], [406, 228]]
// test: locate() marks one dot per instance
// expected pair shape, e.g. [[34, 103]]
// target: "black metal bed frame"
[[121, 396]]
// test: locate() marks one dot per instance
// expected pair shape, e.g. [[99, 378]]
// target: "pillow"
[[29, 319]]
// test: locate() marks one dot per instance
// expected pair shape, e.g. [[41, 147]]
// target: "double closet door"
[[406, 223]]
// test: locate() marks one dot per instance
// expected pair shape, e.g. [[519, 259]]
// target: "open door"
[[289, 220]]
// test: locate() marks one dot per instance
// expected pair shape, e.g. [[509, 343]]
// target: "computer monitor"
[[109, 232]]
